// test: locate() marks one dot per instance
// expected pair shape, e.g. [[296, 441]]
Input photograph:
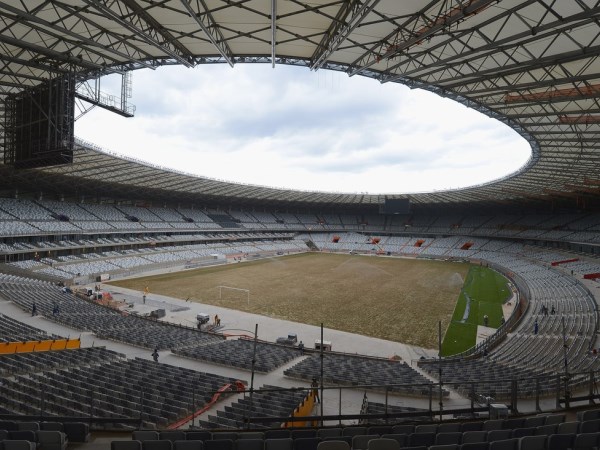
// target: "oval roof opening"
[[318, 131]]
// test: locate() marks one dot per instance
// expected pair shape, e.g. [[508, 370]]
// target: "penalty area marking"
[[247, 291]]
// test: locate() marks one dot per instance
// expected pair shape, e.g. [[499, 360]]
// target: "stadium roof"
[[532, 64]]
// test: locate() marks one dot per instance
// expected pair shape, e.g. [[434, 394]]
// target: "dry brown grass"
[[389, 298]]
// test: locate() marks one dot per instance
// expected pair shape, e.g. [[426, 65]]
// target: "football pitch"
[[483, 294], [390, 298]]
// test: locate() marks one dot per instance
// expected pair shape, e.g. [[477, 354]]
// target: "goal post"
[[246, 291]]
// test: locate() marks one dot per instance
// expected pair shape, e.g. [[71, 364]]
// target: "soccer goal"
[[233, 293]]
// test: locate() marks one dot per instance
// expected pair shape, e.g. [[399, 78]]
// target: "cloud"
[[292, 128]]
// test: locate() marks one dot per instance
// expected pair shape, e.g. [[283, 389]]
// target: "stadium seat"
[[188, 445], [251, 435], [172, 435], [449, 428], [384, 444], [402, 439], [361, 441], [506, 444], [474, 436], [448, 438], [51, 440], [278, 434], [125, 445], [219, 444], [421, 439], [279, 443], [250, 444], [560, 441], [225, 435], [198, 435], [308, 433], [532, 443], [568, 428], [145, 435], [77, 431], [21, 445], [333, 445], [498, 435], [157, 445], [380, 430], [475, 446], [306, 443], [589, 426]]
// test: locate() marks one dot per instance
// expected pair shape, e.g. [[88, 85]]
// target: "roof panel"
[[475, 51]]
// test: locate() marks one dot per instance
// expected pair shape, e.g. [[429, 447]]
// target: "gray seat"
[[306, 443], [560, 441], [145, 435], [475, 446], [445, 447], [494, 424], [590, 426], [329, 432], [421, 439], [18, 445], [426, 428], [279, 444], [77, 431], [555, 419], [354, 431], [546, 430], [252, 435], [172, 435], [125, 445], [157, 445], [533, 443], [403, 429], [188, 445], [590, 414], [250, 444], [506, 444], [383, 444], [498, 435], [219, 444], [361, 441], [198, 436], [474, 436], [568, 428], [448, 438], [51, 426], [449, 427], [402, 439], [278, 434], [51, 440], [333, 445], [28, 426], [535, 421], [471, 426], [586, 441], [224, 435]]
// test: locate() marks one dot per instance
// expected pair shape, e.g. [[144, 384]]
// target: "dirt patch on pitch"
[[390, 298]]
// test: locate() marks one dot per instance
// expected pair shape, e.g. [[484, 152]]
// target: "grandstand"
[[73, 214]]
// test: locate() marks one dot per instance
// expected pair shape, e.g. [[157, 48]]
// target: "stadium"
[[76, 352]]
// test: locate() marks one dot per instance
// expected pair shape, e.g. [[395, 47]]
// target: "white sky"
[[292, 128]]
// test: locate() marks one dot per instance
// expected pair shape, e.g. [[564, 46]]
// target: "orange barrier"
[[38, 346], [238, 386], [303, 410]]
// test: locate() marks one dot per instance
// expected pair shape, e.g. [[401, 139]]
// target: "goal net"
[[233, 293]]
